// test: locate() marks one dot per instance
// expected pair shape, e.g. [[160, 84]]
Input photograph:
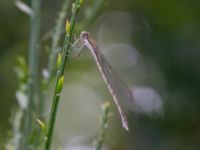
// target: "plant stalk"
[[104, 125], [34, 52], [60, 73], [53, 53]]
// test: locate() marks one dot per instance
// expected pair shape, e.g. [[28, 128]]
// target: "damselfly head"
[[84, 35]]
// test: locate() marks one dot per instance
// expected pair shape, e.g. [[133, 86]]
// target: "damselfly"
[[117, 88]]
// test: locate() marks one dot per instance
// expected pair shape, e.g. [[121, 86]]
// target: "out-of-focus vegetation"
[[164, 33]]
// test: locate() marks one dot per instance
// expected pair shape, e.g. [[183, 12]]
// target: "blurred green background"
[[165, 33]]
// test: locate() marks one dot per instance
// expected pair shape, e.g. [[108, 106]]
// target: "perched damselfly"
[[117, 88]]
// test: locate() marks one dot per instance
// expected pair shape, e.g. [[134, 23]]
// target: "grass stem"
[[60, 73], [104, 125], [34, 52], [53, 53]]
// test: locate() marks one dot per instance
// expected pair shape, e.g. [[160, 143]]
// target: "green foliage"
[[28, 132], [98, 143], [168, 38]]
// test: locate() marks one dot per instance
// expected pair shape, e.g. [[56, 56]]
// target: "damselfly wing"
[[117, 87]]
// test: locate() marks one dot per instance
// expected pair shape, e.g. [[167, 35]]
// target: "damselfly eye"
[[84, 34]]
